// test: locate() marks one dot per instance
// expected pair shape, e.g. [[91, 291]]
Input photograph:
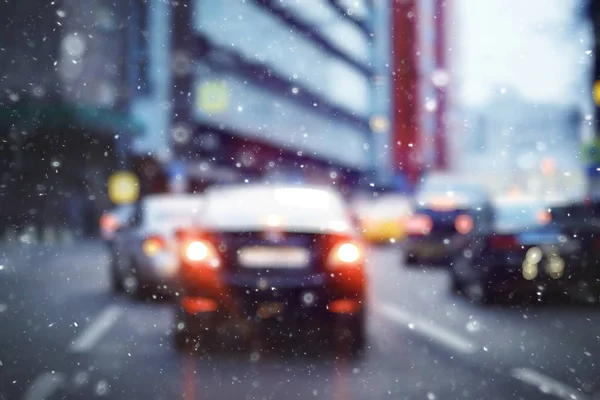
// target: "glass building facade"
[[294, 75]]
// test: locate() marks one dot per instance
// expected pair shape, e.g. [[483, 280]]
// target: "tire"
[[132, 284], [410, 260], [182, 341], [478, 292], [350, 337], [358, 342], [457, 286], [115, 279], [188, 338]]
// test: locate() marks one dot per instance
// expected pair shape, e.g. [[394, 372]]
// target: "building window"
[[141, 47]]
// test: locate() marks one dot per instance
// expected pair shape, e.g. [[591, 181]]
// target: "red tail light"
[[504, 243], [419, 225], [200, 252], [463, 224], [109, 223], [153, 245], [544, 217], [345, 254], [195, 305]]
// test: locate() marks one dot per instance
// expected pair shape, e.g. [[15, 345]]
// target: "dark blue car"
[[525, 251], [268, 261], [445, 211]]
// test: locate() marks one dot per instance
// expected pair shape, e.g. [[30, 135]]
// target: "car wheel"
[[115, 278], [350, 338], [188, 337], [358, 342], [457, 286], [182, 340], [478, 292], [410, 260], [131, 282]]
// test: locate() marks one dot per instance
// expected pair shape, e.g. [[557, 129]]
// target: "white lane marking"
[[546, 384], [44, 386], [94, 332], [434, 332]]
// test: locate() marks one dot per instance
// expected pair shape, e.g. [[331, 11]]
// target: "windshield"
[[170, 212], [442, 186], [519, 216]]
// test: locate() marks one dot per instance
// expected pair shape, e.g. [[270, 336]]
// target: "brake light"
[[463, 224], [504, 243], [345, 254], [109, 223], [544, 217], [153, 245], [419, 225], [344, 306], [195, 305], [201, 252]]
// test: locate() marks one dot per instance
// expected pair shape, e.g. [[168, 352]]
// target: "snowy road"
[[64, 335]]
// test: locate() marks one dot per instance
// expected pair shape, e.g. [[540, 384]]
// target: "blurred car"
[[276, 260], [525, 250], [144, 256], [382, 219], [110, 221], [445, 212]]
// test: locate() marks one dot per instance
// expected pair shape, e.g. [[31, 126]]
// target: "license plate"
[[529, 239], [431, 250], [274, 257], [269, 310]]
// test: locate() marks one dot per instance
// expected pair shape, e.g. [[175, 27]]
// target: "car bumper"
[[432, 247], [513, 273], [160, 272], [251, 298]]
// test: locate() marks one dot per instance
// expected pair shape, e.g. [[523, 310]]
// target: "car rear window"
[[171, 211], [518, 216], [254, 208]]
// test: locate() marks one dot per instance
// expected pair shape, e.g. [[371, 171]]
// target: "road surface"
[[64, 335]]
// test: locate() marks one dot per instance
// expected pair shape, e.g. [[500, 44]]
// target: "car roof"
[[232, 188], [524, 201], [160, 197], [298, 208]]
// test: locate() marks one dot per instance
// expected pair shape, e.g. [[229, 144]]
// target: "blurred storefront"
[[63, 124], [593, 149]]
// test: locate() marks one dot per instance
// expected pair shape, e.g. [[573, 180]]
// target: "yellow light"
[[212, 97], [151, 247], [534, 255], [597, 92], [555, 267], [123, 187], [530, 271], [379, 124]]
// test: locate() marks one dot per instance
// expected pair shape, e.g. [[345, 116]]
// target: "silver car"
[[144, 258]]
